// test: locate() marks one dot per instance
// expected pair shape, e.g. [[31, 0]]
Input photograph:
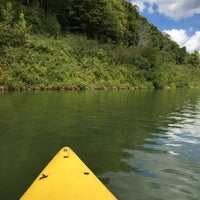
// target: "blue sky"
[[178, 18]]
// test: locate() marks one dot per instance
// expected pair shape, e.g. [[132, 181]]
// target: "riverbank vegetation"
[[88, 44]]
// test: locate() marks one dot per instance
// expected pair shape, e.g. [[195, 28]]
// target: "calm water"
[[144, 145]]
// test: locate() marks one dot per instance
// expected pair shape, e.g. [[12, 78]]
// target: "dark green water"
[[144, 145]]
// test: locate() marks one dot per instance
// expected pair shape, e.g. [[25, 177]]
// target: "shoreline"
[[113, 88]]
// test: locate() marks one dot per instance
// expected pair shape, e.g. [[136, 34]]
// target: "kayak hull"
[[67, 177]]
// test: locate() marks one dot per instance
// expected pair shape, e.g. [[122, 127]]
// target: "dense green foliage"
[[88, 44]]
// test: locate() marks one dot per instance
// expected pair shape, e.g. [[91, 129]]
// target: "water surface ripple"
[[167, 166]]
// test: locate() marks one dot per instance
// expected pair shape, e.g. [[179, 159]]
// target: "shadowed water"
[[142, 144]]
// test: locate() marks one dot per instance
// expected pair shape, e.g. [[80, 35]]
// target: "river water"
[[143, 144]]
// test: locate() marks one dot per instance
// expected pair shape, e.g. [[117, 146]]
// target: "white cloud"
[[194, 42], [175, 10], [180, 36]]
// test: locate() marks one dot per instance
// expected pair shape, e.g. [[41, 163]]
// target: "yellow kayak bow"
[[66, 177]]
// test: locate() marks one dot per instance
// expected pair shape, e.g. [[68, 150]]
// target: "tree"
[[21, 24], [132, 15], [12, 31], [34, 16], [112, 25], [7, 13], [194, 59], [51, 25], [143, 32]]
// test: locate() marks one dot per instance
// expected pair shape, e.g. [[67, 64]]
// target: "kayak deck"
[[67, 177]]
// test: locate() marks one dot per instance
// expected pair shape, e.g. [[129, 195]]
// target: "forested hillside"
[[88, 44]]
